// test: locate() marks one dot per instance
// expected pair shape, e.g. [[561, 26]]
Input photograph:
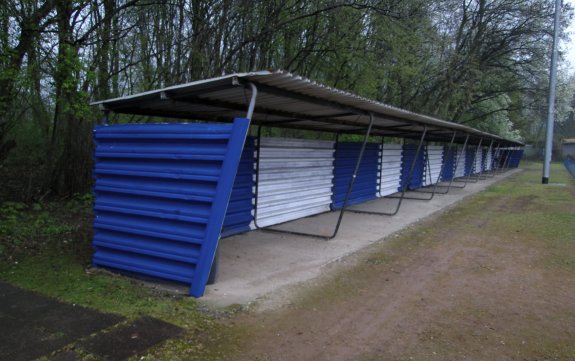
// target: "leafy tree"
[[478, 62]]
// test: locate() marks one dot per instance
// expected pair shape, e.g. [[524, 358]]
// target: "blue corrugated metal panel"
[[570, 165], [365, 186], [515, 158], [409, 153], [449, 166], [240, 213], [499, 158], [469, 161], [161, 193]]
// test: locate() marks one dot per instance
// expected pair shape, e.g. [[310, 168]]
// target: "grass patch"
[[47, 248], [518, 209], [62, 276]]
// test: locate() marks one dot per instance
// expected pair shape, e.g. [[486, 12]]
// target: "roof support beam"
[[314, 100]]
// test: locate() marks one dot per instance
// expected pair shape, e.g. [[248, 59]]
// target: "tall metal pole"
[[552, 85]]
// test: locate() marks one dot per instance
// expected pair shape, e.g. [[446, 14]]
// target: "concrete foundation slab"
[[255, 265]]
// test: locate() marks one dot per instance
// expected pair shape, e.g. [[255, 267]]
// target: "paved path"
[[32, 326], [262, 267]]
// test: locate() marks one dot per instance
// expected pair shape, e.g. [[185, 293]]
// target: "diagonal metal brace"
[[437, 185], [403, 186], [345, 202]]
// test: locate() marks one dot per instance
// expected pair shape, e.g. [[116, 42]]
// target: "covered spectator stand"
[[166, 193]]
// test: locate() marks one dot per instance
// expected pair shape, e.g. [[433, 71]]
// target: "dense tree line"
[[479, 62]]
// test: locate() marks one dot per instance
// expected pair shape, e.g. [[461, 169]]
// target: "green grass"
[[540, 215], [46, 249], [62, 276]]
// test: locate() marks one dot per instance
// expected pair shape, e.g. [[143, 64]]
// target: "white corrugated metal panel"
[[488, 159], [460, 166], [390, 179], [295, 179], [478, 161], [432, 169]]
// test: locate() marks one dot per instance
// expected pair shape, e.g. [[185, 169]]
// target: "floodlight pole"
[[552, 85]]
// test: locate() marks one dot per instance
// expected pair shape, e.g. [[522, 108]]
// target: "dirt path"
[[497, 284]]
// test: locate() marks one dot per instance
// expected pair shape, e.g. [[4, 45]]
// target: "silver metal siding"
[[390, 178], [295, 179], [460, 171], [488, 159], [435, 154], [478, 161]]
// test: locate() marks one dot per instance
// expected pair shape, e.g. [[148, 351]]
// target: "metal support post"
[[495, 161], [252, 105], [428, 166], [353, 177], [489, 173], [403, 186], [427, 163], [464, 152], [502, 158], [215, 263], [437, 185], [346, 199], [552, 90], [493, 158], [471, 178], [505, 166], [480, 175]]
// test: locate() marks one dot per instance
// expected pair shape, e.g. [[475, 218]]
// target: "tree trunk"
[[71, 136]]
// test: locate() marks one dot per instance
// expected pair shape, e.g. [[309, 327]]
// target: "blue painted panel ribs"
[[161, 195], [449, 166], [240, 210], [515, 157], [409, 154], [569, 165], [365, 186], [469, 161]]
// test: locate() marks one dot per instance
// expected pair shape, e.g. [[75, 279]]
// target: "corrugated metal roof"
[[288, 101]]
